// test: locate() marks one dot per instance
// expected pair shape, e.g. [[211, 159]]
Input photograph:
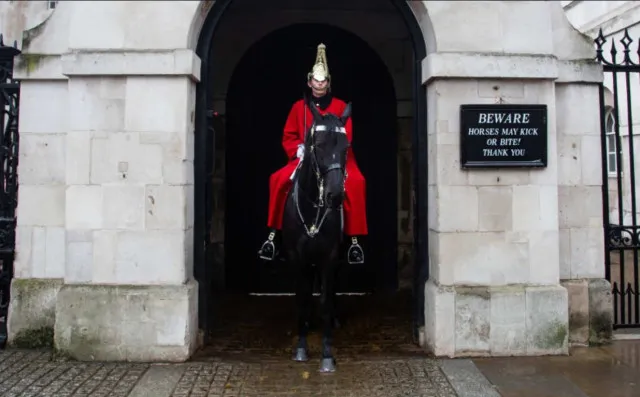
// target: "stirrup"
[[355, 254], [268, 249]]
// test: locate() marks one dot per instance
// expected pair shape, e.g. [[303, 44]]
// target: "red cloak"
[[355, 218]]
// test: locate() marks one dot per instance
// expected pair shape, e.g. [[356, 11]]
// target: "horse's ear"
[[314, 111], [346, 114]]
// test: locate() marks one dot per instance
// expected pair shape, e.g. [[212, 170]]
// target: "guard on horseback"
[[298, 122]]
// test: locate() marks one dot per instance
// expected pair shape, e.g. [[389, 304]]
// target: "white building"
[[113, 216], [618, 22]]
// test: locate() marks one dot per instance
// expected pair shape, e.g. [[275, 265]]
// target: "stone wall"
[[115, 229]]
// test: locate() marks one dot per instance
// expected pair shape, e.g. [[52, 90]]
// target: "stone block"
[[439, 328], [78, 164], [153, 257], [591, 168], [472, 320], [166, 207], [600, 312], [457, 208], [157, 104], [34, 210], [31, 310], [44, 107], [508, 330], [579, 206], [482, 258], [544, 257], [501, 89], [448, 164], [547, 320], [123, 207], [498, 178], [127, 323], [570, 160], [98, 103], [79, 257], [105, 246], [84, 205], [578, 294], [40, 252], [587, 252], [535, 208], [119, 157], [590, 311], [577, 120], [513, 320], [42, 159], [495, 205], [565, 253]]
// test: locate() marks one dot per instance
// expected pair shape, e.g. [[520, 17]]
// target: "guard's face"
[[319, 88]]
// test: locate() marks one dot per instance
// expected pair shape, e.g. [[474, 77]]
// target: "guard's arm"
[[291, 141]]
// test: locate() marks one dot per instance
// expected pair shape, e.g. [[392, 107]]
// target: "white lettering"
[[509, 141], [509, 131], [517, 152], [528, 131], [495, 152], [492, 142], [513, 118]]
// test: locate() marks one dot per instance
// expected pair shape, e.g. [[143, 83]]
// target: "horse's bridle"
[[320, 176]]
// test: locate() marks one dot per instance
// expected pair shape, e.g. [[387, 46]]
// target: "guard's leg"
[[355, 218], [355, 253], [268, 249]]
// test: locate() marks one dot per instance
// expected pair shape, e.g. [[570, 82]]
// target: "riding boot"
[[268, 250], [355, 254]]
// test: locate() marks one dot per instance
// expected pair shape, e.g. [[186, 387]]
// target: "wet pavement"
[[607, 371], [250, 356]]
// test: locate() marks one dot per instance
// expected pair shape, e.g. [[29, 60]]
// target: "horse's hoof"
[[301, 355], [328, 365]]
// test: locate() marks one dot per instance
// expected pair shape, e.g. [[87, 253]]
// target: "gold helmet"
[[320, 70]]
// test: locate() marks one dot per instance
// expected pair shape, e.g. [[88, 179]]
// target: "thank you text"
[[503, 136]]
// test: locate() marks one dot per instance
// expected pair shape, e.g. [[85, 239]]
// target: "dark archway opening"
[[268, 79], [208, 276]]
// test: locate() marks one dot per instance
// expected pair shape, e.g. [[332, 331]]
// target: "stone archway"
[[420, 273]]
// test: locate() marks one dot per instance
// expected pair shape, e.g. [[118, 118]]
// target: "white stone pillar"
[[128, 291], [494, 235], [582, 252], [40, 232]]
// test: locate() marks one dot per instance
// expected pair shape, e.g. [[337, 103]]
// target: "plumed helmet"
[[320, 70]]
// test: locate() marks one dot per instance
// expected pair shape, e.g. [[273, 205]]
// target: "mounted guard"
[[298, 122]]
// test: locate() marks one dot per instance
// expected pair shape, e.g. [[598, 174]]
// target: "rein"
[[314, 229]]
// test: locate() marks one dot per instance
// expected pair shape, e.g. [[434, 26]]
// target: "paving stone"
[[37, 374]]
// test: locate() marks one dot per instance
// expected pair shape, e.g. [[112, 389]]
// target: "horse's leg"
[[327, 297], [304, 290]]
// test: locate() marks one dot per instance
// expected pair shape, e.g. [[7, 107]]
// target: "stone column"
[[128, 290], [580, 208], [494, 234], [40, 233]]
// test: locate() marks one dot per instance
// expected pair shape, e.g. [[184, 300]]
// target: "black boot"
[[268, 250], [355, 254]]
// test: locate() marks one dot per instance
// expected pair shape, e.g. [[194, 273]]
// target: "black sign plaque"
[[503, 136]]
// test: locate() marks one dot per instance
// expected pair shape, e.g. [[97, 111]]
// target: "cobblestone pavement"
[[38, 374], [35, 373]]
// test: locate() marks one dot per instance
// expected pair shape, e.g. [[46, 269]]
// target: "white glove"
[[300, 151]]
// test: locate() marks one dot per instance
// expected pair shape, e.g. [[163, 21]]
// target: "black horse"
[[312, 228]]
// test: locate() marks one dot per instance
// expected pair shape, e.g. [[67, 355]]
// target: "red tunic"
[[355, 218]]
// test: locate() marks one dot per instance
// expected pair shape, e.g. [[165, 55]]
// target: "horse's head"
[[327, 146]]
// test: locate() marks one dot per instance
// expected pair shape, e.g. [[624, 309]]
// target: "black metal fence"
[[619, 93], [9, 102]]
